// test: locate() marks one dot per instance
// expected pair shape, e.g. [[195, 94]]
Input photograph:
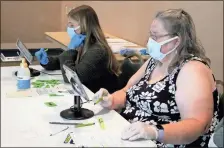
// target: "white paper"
[[35, 92], [8, 59], [116, 48], [106, 139]]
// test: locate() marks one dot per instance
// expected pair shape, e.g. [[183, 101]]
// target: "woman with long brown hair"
[[89, 54]]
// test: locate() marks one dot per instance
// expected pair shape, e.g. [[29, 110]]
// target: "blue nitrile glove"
[[76, 41], [42, 56], [143, 52], [126, 51]]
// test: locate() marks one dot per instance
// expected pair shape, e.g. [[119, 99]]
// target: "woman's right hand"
[[107, 98], [112, 101]]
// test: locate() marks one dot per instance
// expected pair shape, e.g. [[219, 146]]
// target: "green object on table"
[[46, 49], [48, 83], [50, 104], [68, 138], [52, 85], [84, 124], [47, 86], [101, 122], [55, 95]]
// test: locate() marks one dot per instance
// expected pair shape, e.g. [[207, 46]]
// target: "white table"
[[25, 121]]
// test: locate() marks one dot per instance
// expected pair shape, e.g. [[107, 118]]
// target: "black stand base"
[[33, 72], [72, 114]]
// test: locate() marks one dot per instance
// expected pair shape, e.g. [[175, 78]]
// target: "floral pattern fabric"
[[155, 103]]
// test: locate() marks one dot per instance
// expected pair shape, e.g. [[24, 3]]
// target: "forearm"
[[53, 64], [182, 132], [118, 101]]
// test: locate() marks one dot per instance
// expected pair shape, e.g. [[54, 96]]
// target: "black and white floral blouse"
[[156, 104]]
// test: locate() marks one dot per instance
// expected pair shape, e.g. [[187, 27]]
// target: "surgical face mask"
[[71, 31], [155, 47]]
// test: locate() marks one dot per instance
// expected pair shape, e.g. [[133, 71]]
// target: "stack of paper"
[[117, 44]]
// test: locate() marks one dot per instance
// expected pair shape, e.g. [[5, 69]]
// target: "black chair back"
[[129, 68]]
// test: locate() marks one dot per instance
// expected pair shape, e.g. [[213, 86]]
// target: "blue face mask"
[[155, 47], [71, 31]]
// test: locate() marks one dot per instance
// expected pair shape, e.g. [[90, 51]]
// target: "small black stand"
[[33, 72], [76, 112]]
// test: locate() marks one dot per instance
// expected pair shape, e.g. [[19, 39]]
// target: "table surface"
[[25, 121], [62, 38]]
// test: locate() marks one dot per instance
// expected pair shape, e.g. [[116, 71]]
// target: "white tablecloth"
[[25, 121]]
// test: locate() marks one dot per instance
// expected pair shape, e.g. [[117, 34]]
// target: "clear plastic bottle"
[[23, 76]]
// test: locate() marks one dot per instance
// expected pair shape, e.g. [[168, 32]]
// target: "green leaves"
[[45, 83]]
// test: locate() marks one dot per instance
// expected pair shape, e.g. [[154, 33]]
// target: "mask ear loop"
[[176, 37], [76, 28], [167, 41]]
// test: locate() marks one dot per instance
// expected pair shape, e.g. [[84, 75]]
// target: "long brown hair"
[[90, 26], [178, 22]]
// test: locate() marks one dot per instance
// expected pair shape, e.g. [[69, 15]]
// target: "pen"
[[83, 125], [99, 100], [54, 95], [59, 132], [61, 123]]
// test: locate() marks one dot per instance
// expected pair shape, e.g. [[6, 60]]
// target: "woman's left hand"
[[139, 130], [76, 41]]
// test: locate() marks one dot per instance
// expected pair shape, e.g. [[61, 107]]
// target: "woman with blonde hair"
[[172, 98], [89, 54]]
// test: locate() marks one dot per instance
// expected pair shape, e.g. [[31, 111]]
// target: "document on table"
[[123, 44], [8, 59], [116, 47], [106, 139], [35, 92]]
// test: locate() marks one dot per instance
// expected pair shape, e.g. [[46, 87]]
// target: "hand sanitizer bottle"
[[23, 76]]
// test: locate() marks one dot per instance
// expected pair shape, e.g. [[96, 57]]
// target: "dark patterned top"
[[156, 104]]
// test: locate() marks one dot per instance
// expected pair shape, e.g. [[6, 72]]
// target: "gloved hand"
[[107, 98], [138, 130], [76, 41], [126, 51], [42, 56], [143, 52]]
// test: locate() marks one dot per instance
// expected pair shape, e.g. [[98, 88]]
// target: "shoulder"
[[195, 67], [195, 72], [97, 49], [71, 51]]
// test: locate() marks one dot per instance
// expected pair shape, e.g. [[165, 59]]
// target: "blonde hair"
[[90, 26], [178, 22]]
